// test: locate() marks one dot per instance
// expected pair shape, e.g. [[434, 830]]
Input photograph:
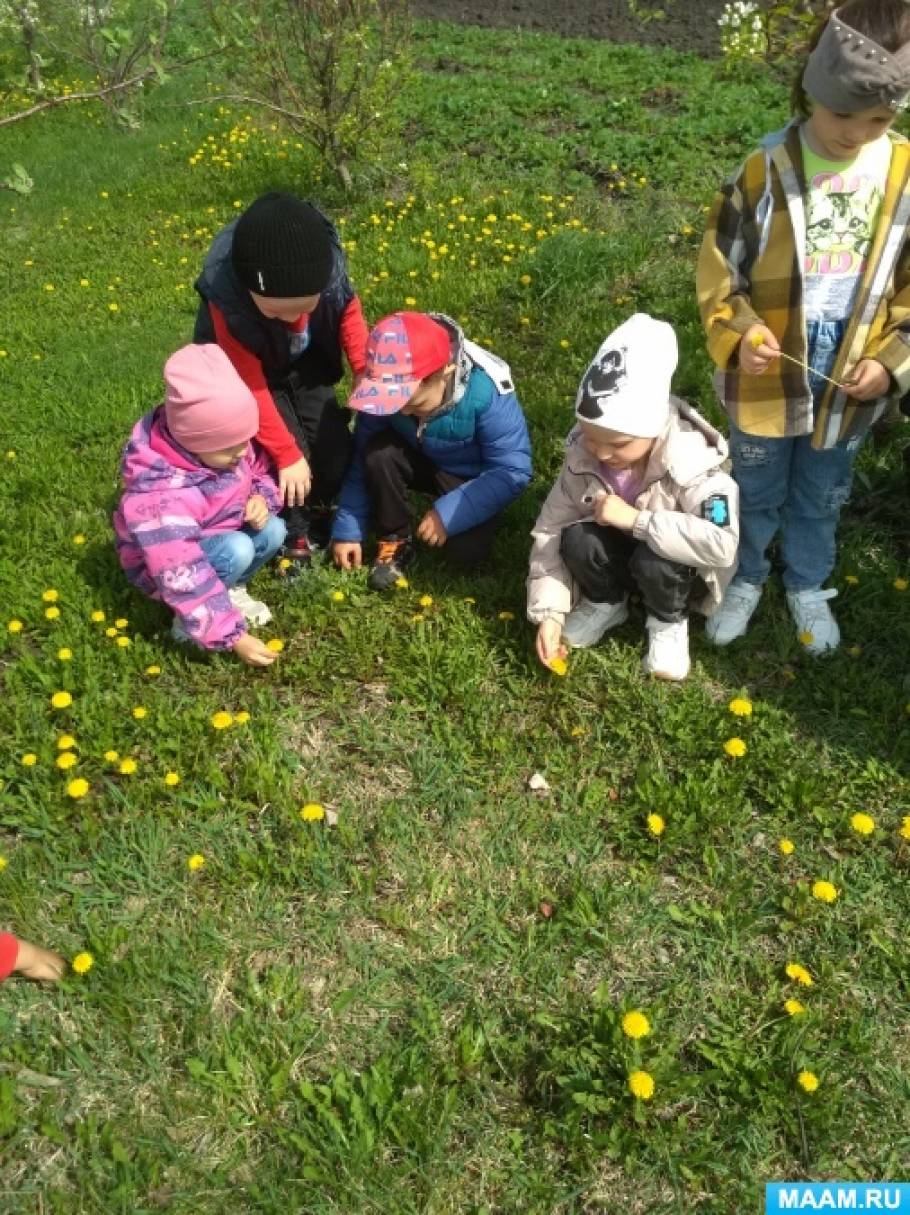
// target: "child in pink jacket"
[[198, 516]]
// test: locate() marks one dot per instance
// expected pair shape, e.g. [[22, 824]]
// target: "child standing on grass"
[[198, 514], [30, 961], [804, 278], [276, 297], [641, 504], [438, 414]]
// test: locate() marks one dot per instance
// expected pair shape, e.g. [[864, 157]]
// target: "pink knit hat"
[[207, 405]]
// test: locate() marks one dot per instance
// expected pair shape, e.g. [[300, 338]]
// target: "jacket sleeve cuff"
[[642, 525]]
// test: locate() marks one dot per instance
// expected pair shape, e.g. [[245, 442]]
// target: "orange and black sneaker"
[[394, 556]]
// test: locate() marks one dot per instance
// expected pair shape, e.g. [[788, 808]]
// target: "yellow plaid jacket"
[[750, 271]]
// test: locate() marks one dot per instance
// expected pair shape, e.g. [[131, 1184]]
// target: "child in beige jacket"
[[641, 504]]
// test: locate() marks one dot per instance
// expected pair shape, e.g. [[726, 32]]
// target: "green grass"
[[416, 1009]]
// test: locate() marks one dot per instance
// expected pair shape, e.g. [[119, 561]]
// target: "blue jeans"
[[236, 556], [787, 485]]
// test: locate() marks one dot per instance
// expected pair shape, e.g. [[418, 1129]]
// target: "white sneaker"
[[731, 619], [814, 620], [254, 611], [668, 648], [588, 621]]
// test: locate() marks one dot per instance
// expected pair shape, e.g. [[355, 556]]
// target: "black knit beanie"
[[282, 248]]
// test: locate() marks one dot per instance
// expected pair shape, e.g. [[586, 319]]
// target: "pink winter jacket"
[[170, 502]]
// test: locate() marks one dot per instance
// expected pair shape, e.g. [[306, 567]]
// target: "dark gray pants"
[[607, 564]]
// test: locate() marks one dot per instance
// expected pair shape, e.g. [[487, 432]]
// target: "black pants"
[[320, 429], [607, 564], [393, 468]]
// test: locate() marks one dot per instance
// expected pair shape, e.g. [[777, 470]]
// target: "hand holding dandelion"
[[549, 633], [757, 348], [253, 652]]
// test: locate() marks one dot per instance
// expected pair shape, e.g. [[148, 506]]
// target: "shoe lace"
[[388, 550]]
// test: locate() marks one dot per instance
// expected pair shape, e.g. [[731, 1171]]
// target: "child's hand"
[[33, 962], [294, 482], [870, 379], [431, 529], [549, 633], [253, 652], [612, 511], [347, 554], [256, 512], [757, 348]]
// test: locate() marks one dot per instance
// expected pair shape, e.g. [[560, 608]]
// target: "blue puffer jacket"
[[482, 437]]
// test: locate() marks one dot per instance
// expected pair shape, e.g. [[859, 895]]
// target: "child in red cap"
[[438, 414], [277, 299], [198, 515]]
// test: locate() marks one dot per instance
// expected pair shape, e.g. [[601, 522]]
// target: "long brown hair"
[[886, 22]]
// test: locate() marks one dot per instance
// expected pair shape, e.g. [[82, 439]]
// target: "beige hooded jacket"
[[684, 487]]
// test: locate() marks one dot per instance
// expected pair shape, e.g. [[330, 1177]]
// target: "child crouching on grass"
[[31, 961], [640, 504], [198, 516], [437, 414]]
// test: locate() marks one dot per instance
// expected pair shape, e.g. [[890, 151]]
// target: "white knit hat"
[[627, 385]]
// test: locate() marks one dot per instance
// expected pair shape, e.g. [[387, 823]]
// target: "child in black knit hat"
[[277, 298]]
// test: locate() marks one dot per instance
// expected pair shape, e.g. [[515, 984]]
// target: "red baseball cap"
[[402, 350]]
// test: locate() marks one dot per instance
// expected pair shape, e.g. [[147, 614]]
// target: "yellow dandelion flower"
[[113, 307], [402, 583], [635, 1024], [139, 712], [128, 766], [559, 666], [275, 644], [221, 720], [153, 670], [285, 563], [854, 650], [50, 595], [564, 343], [29, 759], [410, 301], [756, 340], [312, 812], [121, 622], [740, 707], [799, 974], [77, 788], [15, 626], [900, 584], [111, 632], [826, 892], [78, 538], [578, 731], [425, 601], [52, 613], [66, 742], [112, 756], [525, 280], [641, 1085], [862, 824], [123, 642], [241, 718], [785, 847], [794, 1008], [806, 638], [64, 653], [61, 700], [469, 600], [66, 759], [807, 1081], [83, 963], [851, 580], [735, 747], [3, 863], [338, 596], [506, 615], [904, 828], [656, 824], [171, 779], [97, 616], [194, 862]]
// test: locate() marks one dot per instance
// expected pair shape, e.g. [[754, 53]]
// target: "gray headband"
[[848, 72]]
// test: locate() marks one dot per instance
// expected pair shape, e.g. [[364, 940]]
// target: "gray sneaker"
[[731, 618], [588, 621], [254, 611]]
